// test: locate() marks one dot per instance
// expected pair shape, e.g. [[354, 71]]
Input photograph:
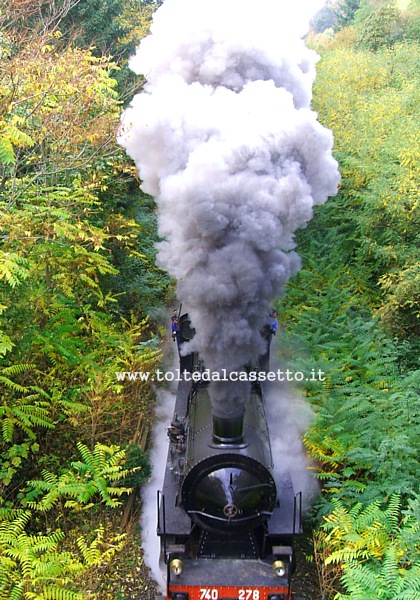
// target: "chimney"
[[228, 431]]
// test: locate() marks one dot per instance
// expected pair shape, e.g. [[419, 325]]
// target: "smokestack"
[[228, 430], [229, 399]]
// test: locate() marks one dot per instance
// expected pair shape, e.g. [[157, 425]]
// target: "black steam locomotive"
[[226, 526]]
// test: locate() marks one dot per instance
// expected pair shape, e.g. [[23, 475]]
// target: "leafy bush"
[[352, 312], [370, 545], [35, 565]]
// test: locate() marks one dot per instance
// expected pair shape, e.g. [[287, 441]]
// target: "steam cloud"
[[224, 138]]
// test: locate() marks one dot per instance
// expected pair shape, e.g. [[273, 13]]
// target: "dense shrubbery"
[[74, 225], [353, 312]]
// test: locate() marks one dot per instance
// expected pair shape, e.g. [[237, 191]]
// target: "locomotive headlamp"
[[176, 565], [279, 568]]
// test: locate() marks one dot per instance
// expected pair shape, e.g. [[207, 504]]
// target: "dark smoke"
[[224, 137]]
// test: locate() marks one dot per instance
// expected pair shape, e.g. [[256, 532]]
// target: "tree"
[[324, 19], [112, 28], [58, 123], [63, 334], [374, 115], [383, 27], [357, 291], [345, 12]]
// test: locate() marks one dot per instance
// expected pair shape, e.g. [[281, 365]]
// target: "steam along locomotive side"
[[226, 525]]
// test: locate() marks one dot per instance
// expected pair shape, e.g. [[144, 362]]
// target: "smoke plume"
[[158, 456], [225, 139]]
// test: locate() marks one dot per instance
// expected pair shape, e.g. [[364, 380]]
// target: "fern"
[[93, 553], [24, 413], [7, 155], [6, 344], [14, 593], [14, 268], [387, 581], [32, 566], [370, 545], [88, 480]]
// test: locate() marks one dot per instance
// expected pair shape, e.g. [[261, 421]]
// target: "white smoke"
[[158, 457], [224, 137], [290, 414]]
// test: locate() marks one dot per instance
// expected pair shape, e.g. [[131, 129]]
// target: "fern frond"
[[14, 523], [8, 428], [13, 268], [16, 591], [393, 513], [9, 383], [12, 370], [6, 344], [389, 571], [40, 543], [7, 154]]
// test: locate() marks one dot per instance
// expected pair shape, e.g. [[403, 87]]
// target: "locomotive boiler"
[[227, 524]]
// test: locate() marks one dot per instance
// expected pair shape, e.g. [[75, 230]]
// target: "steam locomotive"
[[226, 526]]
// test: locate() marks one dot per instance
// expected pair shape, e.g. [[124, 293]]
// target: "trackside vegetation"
[[74, 228], [353, 310]]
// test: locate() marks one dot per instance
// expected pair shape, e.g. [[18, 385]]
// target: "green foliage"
[[370, 545], [32, 566], [139, 281], [6, 344], [74, 332], [101, 550], [367, 24], [95, 23], [345, 11], [23, 411], [353, 313], [95, 476], [138, 466], [12, 137], [364, 404], [13, 268], [109, 26], [72, 222], [375, 118], [383, 27], [412, 21], [363, 393], [30, 563]]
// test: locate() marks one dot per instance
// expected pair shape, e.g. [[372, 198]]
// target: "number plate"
[[243, 594]]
